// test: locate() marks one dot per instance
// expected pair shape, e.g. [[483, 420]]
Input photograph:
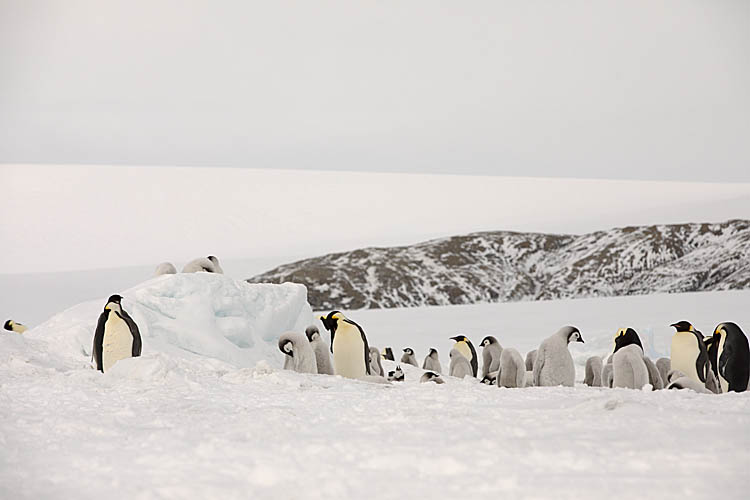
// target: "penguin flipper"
[[97, 347], [134, 331]]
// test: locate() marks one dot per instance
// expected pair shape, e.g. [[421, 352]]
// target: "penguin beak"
[[580, 339]]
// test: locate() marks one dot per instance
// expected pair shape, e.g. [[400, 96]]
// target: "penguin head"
[[489, 339], [722, 329], [460, 338], [213, 259], [331, 321], [409, 351], [487, 380], [8, 325], [573, 334], [114, 303], [626, 337], [312, 333], [683, 326], [287, 347], [433, 351]]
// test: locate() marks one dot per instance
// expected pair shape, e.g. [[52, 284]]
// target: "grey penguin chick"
[[396, 375], [554, 363], [460, 366], [654, 376], [512, 369], [529, 379], [408, 357], [165, 268], [296, 346], [593, 376], [607, 373], [491, 350], [664, 365], [376, 368], [319, 347], [530, 358], [431, 362], [685, 382], [431, 377], [208, 264], [490, 378], [628, 368]]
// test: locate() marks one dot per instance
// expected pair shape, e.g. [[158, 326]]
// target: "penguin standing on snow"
[[733, 357], [491, 351], [465, 347], [297, 347], [116, 336], [322, 356], [351, 354], [376, 367], [593, 377], [409, 358], [628, 368], [690, 356], [208, 264], [512, 369], [554, 363], [431, 362], [12, 326], [460, 366]]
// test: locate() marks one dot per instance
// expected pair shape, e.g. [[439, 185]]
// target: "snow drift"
[[189, 316]]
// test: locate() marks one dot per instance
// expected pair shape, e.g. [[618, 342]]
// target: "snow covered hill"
[[506, 266]]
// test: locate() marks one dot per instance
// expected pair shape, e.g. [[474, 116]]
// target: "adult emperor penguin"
[[530, 358], [460, 366], [431, 377], [349, 346], [208, 264], [431, 362], [554, 363], [116, 336], [466, 348], [733, 357], [297, 346], [388, 354], [165, 268], [12, 326], [376, 367], [690, 356], [491, 351], [322, 356], [628, 368], [408, 357], [593, 377], [512, 369]]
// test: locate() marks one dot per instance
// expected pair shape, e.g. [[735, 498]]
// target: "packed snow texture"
[[213, 424]]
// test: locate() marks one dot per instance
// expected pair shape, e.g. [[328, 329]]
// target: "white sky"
[[84, 217], [636, 89]]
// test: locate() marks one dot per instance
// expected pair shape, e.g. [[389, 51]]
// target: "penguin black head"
[[8, 325], [683, 326], [408, 350], [311, 331], [626, 337], [487, 380], [433, 351], [113, 299], [725, 328], [489, 339], [330, 322], [213, 259], [287, 347], [574, 335], [460, 338]]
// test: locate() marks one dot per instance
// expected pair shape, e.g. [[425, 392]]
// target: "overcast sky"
[[637, 89]]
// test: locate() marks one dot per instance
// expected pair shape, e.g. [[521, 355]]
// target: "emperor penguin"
[[554, 363], [388, 354], [711, 348], [116, 337], [607, 373], [322, 356], [512, 369], [490, 378], [628, 368], [690, 356], [466, 348], [664, 366], [396, 375], [165, 268], [460, 366], [349, 346], [376, 367], [530, 358], [732, 356], [409, 358], [12, 326], [208, 264], [593, 376], [681, 381], [431, 362], [296, 346], [491, 351], [431, 377]]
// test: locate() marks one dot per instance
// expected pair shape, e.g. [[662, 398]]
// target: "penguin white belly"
[[722, 381], [685, 353], [463, 348], [117, 343], [348, 353]]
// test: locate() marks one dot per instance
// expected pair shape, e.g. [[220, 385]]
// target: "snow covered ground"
[[206, 412]]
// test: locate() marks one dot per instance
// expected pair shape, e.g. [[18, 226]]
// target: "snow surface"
[[215, 423]]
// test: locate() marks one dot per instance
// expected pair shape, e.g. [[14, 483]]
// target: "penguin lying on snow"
[[208, 264], [690, 356], [732, 357], [431, 377], [460, 366], [396, 375], [593, 375], [322, 356], [376, 368], [512, 369], [409, 358], [351, 354], [490, 378], [12, 326], [116, 337], [678, 380], [296, 346], [491, 351], [431, 362], [165, 268], [554, 363], [466, 348]]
